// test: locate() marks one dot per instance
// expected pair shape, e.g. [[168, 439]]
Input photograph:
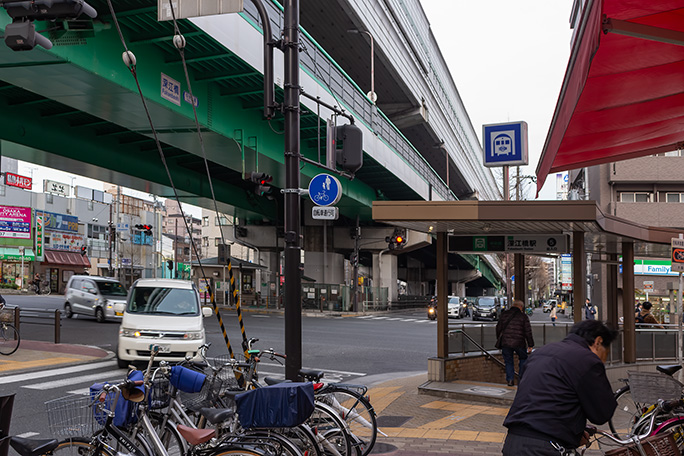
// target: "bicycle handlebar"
[[662, 406]]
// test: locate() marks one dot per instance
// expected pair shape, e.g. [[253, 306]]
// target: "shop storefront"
[[11, 263], [59, 266], [16, 242]]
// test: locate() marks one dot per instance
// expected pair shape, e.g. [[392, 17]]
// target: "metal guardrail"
[[482, 349], [27, 316], [653, 344], [323, 68]]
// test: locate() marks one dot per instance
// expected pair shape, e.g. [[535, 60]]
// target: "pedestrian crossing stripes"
[[406, 320]]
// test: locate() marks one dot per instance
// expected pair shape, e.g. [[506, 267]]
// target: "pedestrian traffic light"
[[261, 182], [397, 240], [169, 264], [84, 250]]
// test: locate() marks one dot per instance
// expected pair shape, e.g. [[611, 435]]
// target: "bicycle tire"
[[330, 430], [79, 446], [304, 438], [9, 339], [676, 426], [626, 413], [357, 412], [270, 440], [237, 452]]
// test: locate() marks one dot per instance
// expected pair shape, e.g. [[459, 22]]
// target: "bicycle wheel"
[[79, 446], [45, 290], [626, 414], [676, 426], [266, 441], [330, 431], [9, 339], [357, 412], [238, 452]]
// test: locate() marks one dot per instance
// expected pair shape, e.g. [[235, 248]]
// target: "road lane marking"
[[54, 372], [75, 380]]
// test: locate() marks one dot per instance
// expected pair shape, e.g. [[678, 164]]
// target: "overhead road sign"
[[505, 144], [543, 243], [183, 9]]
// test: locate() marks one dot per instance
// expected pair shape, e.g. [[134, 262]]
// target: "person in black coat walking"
[[515, 335]]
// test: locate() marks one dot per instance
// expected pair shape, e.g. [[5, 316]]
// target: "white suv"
[[162, 312]]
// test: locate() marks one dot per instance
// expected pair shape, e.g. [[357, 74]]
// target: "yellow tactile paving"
[[381, 404], [440, 434], [14, 365], [437, 404], [391, 431], [496, 437], [412, 433], [464, 435], [449, 420], [496, 411]]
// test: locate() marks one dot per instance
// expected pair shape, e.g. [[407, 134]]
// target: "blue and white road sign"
[[505, 144], [325, 190]]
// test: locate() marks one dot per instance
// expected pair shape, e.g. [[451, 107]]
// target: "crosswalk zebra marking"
[[54, 372], [118, 374]]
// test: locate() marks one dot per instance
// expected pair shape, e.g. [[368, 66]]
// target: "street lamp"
[[372, 95]]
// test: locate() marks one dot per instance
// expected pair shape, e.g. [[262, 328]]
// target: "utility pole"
[[111, 233], [293, 278]]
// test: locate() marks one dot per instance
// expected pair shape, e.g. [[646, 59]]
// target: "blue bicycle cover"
[[187, 380], [281, 405]]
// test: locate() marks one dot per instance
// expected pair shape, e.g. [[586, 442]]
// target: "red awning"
[[66, 258], [623, 92]]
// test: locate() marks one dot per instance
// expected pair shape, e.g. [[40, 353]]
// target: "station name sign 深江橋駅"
[[541, 243]]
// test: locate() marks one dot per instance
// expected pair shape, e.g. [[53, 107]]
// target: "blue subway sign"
[[505, 144]]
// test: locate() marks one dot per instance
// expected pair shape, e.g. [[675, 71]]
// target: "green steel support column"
[[442, 296], [628, 325]]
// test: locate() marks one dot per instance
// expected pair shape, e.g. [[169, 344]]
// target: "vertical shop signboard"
[[39, 238]]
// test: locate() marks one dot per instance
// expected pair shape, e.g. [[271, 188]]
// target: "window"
[[635, 197], [2, 190], [49, 198], [205, 241], [224, 221], [205, 221], [217, 241], [674, 197]]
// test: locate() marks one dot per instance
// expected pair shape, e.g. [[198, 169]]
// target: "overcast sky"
[[508, 59]]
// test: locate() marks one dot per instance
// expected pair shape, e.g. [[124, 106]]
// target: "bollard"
[[58, 326]]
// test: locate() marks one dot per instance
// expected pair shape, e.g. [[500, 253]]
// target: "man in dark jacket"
[[515, 333], [565, 384]]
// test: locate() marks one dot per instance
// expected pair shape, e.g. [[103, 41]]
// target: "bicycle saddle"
[[669, 370], [217, 415], [33, 447], [311, 375]]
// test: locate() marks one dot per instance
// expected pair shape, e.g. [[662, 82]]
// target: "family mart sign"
[[653, 267]]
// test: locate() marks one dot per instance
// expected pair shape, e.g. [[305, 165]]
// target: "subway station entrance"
[[611, 240]]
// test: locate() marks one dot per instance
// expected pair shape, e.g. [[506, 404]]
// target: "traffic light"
[[350, 157], [397, 240], [223, 253], [21, 34], [147, 229], [84, 250], [169, 264], [261, 182]]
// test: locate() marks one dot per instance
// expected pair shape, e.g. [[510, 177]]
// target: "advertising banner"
[[61, 222], [56, 240], [15, 222], [15, 180], [39, 237]]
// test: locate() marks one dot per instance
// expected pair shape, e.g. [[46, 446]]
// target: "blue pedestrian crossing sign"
[[325, 190], [505, 144]]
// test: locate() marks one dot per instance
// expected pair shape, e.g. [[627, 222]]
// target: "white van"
[[162, 312]]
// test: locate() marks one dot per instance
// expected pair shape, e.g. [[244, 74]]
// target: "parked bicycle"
[[23, 446], [9, 335]]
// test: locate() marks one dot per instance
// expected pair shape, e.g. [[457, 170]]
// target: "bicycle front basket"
[[655, 445], [71, 416], [648, 387]]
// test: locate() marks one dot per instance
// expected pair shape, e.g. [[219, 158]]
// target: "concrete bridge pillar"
[[324, 267], [385, 274]]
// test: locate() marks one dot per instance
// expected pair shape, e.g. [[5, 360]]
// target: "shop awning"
[[66, 258], [13, 254], [623, 92]]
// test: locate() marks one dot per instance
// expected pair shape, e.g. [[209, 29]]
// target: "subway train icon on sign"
[[502, 144]]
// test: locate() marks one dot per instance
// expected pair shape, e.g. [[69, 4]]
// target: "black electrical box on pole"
[[293, 277]]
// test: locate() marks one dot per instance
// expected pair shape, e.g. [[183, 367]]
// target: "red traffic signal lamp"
[[261, 182], [397, 240], [146, 228]]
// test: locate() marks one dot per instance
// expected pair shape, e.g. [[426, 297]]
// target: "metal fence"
[[651, 344]]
